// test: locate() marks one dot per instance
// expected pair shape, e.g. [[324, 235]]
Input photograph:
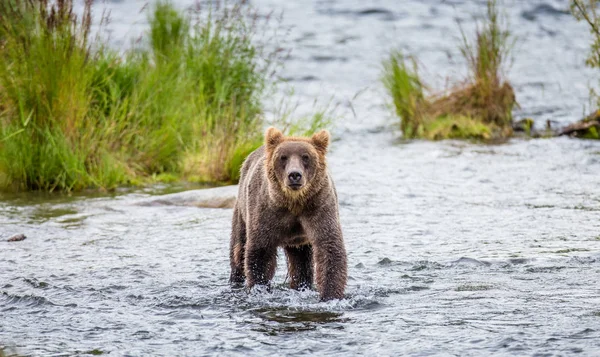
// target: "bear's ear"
[[321, 141], [273, 137]]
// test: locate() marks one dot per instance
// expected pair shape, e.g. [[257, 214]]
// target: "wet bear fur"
[[287, 199]]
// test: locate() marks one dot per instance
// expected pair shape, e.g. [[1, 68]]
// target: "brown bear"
[[287, 199]]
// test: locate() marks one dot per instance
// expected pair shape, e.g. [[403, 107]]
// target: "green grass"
[[480, 108], [591, 133], [186, 106], [401, 80], [457, 127]]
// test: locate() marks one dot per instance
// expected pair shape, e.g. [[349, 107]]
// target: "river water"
[[454, 248]]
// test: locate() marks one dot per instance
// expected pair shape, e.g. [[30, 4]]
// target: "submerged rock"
[[17, 238], [470, 261], [385, 261], [218, 197]]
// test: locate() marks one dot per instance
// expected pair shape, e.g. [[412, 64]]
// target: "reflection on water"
[[275, 321], [454, 248]]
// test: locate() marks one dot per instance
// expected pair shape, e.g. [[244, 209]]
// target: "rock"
[[17, 238], [385, 261], [218, 197]]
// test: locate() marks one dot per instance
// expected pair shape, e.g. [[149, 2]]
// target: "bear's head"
[[296, 166]]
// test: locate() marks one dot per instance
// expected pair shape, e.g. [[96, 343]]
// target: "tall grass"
[[402, 81], [188, 104], [46, 137], [485, 98], [587, 11], [492, 98]]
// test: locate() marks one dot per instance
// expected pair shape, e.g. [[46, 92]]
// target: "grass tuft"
[[481, 108]]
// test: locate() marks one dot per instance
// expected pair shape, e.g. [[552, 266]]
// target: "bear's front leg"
[[261, 261], [329, 253], [237, 249]]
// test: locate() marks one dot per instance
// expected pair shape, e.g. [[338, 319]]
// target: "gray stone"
[[218, 197], [16, 238]]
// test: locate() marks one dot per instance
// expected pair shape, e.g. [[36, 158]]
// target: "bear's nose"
[[295, 177]]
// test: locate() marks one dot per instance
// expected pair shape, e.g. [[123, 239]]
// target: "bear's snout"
[[295, 179], [294, 171]]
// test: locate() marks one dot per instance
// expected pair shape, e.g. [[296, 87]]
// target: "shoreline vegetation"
[[480, 108], [75, 114]]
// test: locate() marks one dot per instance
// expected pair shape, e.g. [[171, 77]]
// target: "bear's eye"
[[305, 158], [283, 158]]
